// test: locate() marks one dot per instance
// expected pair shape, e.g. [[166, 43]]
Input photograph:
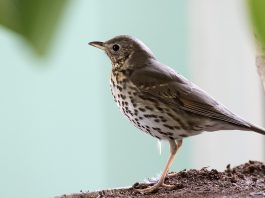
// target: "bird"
[[161, 102]]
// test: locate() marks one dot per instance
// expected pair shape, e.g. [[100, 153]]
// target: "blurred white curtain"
[[222, 61]]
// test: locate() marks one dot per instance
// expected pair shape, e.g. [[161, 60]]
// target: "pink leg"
[[174, 146]]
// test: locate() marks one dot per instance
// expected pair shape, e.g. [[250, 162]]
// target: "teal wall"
[[60, 130]]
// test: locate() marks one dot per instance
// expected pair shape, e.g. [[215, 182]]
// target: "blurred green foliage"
[[257, 13], [35, 20]]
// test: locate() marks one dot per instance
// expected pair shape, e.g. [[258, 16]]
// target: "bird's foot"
[[168, 186], [155, 188]]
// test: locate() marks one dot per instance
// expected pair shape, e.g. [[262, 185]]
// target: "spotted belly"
[[152, 117]]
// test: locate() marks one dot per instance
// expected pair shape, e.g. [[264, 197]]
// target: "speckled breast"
[[149, 115]]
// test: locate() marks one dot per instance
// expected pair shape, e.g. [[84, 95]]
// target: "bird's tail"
[[257, 129]]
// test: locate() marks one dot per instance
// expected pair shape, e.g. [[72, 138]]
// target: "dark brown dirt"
[[246, 180]]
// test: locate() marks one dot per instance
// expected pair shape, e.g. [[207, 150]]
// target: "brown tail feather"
[[257, 129]]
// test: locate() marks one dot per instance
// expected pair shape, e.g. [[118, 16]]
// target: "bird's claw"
[[168, 186], [155, 188], [171, 174]]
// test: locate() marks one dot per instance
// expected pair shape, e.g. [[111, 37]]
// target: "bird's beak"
[[97, 44]]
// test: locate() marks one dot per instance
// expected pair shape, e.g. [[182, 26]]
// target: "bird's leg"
[[179, 143], [174, 146]]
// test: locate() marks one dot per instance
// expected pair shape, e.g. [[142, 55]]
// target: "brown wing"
[[161, 82]]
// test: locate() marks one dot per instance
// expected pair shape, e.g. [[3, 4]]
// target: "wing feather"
[[164, 84]]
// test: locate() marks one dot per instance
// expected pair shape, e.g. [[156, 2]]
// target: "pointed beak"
[[97, 44]]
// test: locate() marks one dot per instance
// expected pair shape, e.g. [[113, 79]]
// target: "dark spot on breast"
[[169, 133], [149, 108], [177, 127], [124, 81], [163, 133], [123, 96], [170, 115], [156, 120], [183, 135], [152, 100], [150, 116], [168, 126], [127, 115], [183, 126], [156, 128], [119, 88], [157, 137], [133, 102], [142, 109], [163, 119], [160, 109], [142, 97], [129, 112]]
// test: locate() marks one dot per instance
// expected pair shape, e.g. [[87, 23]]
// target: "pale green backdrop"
[[60, 130]]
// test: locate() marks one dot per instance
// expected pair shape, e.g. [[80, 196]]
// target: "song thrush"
[[161, 102]]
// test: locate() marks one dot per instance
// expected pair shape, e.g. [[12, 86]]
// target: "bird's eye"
[[115, 47]]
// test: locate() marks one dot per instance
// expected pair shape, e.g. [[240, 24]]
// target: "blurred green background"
[[61, 132], [257, 14], [35, 20]]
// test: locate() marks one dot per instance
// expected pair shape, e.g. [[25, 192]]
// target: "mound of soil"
[[246, 180]]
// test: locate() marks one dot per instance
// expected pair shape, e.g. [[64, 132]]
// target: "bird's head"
[[124, 51]]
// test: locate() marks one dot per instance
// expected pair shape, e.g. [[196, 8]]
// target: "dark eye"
[[115, 47]]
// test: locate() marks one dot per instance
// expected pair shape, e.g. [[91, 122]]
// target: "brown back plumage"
[[162, 82]]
